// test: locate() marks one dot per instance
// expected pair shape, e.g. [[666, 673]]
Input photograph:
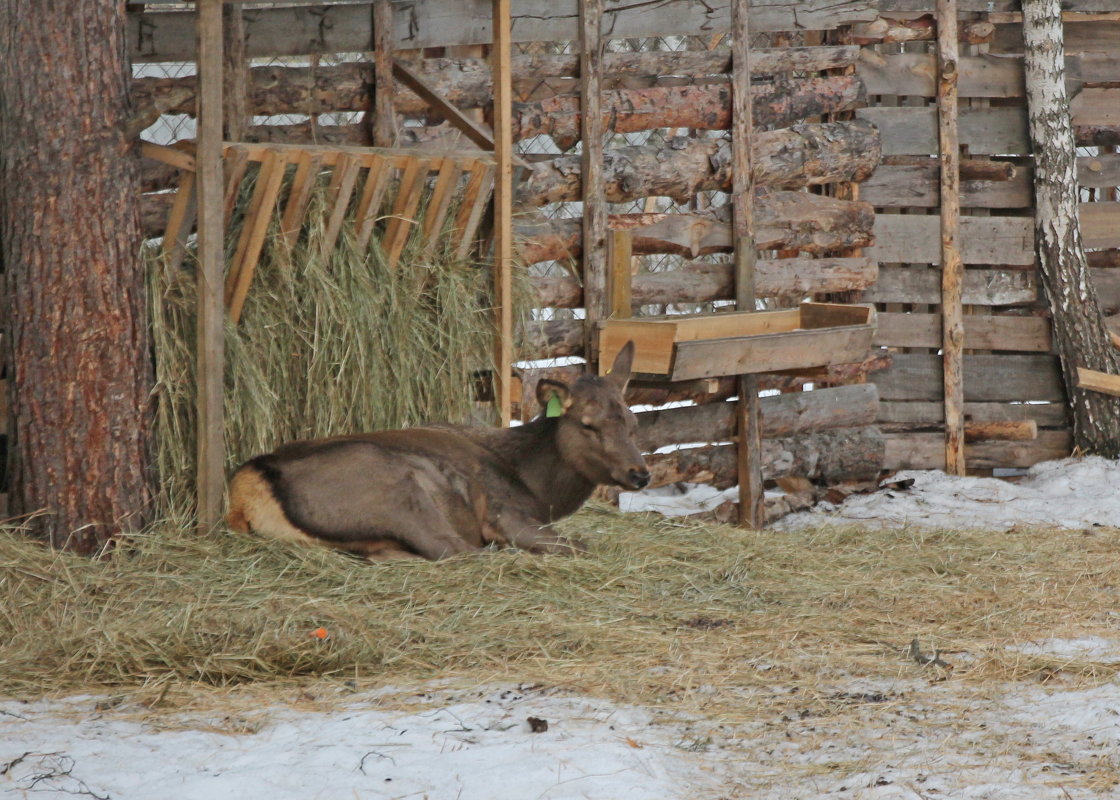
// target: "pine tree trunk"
[[1079, 331], [79, 367]]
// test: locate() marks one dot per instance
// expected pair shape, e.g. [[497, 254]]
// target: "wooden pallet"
[[376, 192]]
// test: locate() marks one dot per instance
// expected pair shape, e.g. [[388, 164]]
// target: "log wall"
[[845, 158]]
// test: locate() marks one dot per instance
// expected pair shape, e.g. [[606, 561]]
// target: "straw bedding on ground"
[[700, 617]]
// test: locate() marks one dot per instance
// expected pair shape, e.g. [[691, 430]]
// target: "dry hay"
[[696, 617], [323, 347]]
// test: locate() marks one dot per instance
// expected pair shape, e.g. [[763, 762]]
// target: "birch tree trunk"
[[1080, 335]]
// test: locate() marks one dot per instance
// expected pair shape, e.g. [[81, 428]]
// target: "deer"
[[442, 490]]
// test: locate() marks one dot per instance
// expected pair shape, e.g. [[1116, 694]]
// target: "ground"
[[1044, 731]]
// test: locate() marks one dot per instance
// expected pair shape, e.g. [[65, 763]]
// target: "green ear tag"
[[554, 408]]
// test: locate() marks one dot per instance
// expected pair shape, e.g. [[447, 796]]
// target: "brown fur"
[[440, 490]]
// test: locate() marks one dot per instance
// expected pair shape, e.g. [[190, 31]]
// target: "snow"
[[907, 738]]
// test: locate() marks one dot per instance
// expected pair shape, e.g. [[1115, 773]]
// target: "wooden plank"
[[237, 162], [439, 203], [384, 115], [300, 30], [303, 184], [952, 265], [369, 204], [502, 176], [992, 6], [920, 413], [181, 218], [1098, 381], [790, 414], [1099, 172], [1100, 224], [985, 131], [410, 192], [210, 345], [915, 239], [1091, 36], [915, 75], [594, 255], [752, 513], [1096, 107], [483, 180], [987, 378], [252, 223], [1021, 334], [338, 201], [772, 353], [180, 159], [620, 260], [916, 186], [257, 221], [925, 451], [982, 287]]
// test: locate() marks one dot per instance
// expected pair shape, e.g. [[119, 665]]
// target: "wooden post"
[[752, 512], [503, 208], [594, 205], [952, 268], [621, 252], [235, 90], [384, 118], [211, 263]]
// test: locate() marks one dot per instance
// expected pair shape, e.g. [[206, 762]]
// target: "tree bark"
[[1080, 335], [80, 373], [789, 158]]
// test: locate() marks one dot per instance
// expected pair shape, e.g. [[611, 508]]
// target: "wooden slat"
[[985, 131], [168, 155], [926, 451], [923, 413], [369, 204], [1098, 381], [339, 192], [249, 248], [502, 79], [1022, 334], [1102, 171], [916, 239], [474, 203], [982, 287], [384, 115], [1096, 106], [210, 345], [915, 75], [620, 258], [303, 185], [236, 164], [1100, 224], [301, 30], [181, 218], [916, 186], [440, 202], [1090, 36], [396, 230], [987, 378]]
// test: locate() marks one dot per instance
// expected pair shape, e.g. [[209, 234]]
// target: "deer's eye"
[[587, 426]]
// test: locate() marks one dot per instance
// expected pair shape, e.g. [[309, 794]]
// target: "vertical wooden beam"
[[621, 251], [952, 268], [235, 78], [595, 298], [211, 262], [751, 506], [503, 208], [384, 118]]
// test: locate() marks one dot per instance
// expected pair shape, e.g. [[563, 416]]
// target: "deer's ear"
[[619, 374], [554, 396]]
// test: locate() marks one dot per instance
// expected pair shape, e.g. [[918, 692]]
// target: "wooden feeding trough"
[[681, 347]]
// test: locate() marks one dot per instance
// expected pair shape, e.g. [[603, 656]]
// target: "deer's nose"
[[639, 478]]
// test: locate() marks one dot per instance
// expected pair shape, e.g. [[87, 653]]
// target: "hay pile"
[[707, 618], [323, 347]]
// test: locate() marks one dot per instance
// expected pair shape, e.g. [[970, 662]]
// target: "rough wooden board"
[[991, 6], [915, 186], [916, 239], [922, 413], [1098, 381], [1096, 106], [339, 192], [781, 415], [987, 378], [985, 131], [1100, 224], [982, 287], [1101, 171], [300, 30], [1098, 36], [1024, 334], [915, 74], [927, 451], [771, 353]]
